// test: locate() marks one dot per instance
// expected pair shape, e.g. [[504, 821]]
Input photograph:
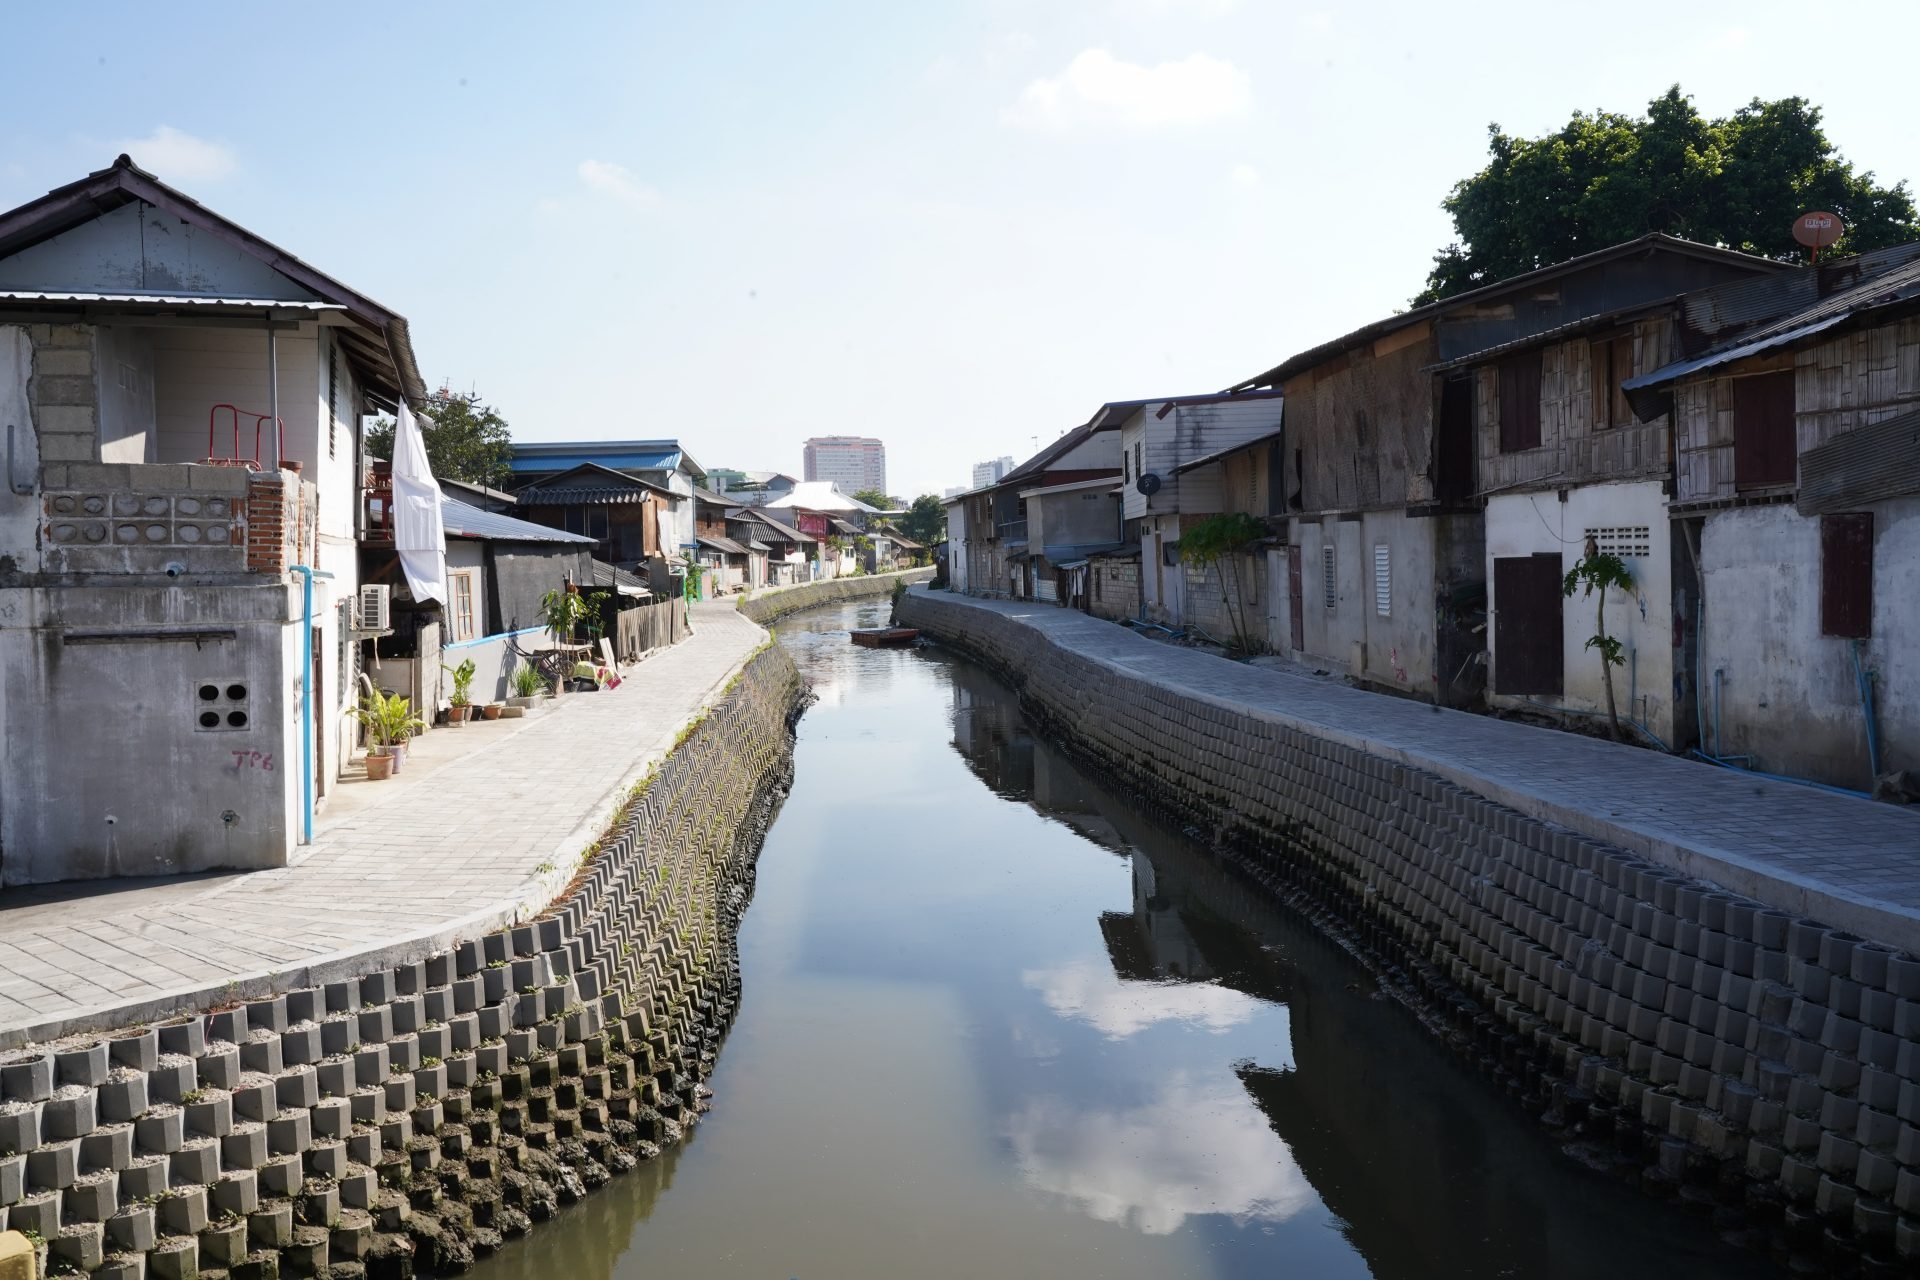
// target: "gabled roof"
[[1655, 242], [463, 521], [819, 495], [588, 484], [786, 532], [625, 455], [379, 343]]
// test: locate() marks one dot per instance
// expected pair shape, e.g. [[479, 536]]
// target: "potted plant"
[[390, 721], [528, 685], [462, 692], [492, 710]]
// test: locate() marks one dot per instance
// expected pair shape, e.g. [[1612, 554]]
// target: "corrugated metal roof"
[[1218, 454], [1893, 287], [639, 460], [1380, 328], [613, 577], [165, 300], [579, 496], [716, 543], [463, 521], [787, 532], [1867, 464]]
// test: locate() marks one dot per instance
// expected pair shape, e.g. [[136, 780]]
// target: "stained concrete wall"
[[1768, 1063], [766, 606], [1787, 694], [1525, 524], [409, 1112]]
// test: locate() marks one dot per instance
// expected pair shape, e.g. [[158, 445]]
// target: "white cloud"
[[1098, 88], [1245, 176], [174, 156], [618, 183], [1093, 994], [1192, 1149]]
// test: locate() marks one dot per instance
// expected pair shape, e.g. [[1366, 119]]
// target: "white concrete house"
[[1157, 438], [956, 544], [178, 564]]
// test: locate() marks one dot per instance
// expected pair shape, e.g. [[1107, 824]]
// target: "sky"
[[957, 225]]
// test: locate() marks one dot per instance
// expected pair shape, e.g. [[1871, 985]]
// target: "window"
[[1329, 585], [1139, 454], [1846, 575], [1612, 365], [1764, 451], [1628, 541], [1382, 580], [463, 604], [1520, 402], [1126, 466]]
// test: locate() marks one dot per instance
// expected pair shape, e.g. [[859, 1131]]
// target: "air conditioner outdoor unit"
[[372, 611]]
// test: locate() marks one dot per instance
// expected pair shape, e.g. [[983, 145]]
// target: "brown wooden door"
[[1296, 609], [1529, 629]]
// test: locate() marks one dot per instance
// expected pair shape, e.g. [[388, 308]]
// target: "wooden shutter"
[[1612, 365], [1846, 575], [1520, 402], [1529, 631], [1765, 452]]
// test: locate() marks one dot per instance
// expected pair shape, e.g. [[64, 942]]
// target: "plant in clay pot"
[[528, 685], [462, 692], [390, 722]]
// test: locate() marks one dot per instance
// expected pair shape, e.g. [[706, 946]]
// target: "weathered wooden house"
[[632, 522], [1240, 592], [998, 547], [1387, 534], [1796, 517], [1157, 439]]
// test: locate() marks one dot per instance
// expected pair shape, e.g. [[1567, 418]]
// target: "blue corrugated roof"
[[463, 521], [619, 461]]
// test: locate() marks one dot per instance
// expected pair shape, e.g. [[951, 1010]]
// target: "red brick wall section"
[[280, 516]]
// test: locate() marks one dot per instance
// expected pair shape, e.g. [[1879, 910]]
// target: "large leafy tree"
[[466, 439], [1738, 181], [878, 500], [926, 520]]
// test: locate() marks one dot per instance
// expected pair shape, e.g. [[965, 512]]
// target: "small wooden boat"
[[885, 637]]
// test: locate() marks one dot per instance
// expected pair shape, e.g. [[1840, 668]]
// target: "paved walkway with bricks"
[[485, 825], [1851, 862]]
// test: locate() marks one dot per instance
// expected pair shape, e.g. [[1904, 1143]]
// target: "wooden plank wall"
[[1572, 450], [1853, 380], [1363, 426]]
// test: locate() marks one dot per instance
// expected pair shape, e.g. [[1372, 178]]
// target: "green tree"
[[878, 500], [926, 520], [466, 439], [1220, 542], [1738, 181], [1595, 572]]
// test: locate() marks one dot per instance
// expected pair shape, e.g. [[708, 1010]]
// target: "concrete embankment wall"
[[1740, 1057], [410, 1118], [765, 606]]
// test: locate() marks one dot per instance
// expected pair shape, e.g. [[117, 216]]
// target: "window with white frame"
[[463, 604], [1382, 580], [1329, 584]]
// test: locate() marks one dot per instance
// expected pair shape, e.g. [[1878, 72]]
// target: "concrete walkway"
[[484, 826], [1850, 862]]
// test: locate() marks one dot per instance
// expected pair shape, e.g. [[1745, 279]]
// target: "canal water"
[[998, 1023]]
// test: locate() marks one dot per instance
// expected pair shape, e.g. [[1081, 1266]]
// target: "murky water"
[[996, 1023]]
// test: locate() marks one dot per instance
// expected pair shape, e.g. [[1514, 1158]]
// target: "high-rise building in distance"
[[852, 462], [991, 472]]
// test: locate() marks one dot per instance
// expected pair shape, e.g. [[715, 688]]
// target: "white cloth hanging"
[[419, 534]]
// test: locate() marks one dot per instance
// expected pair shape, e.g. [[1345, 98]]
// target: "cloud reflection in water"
[[1090, 992], [1194, 1148]]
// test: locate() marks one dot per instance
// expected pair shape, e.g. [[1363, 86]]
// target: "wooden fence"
[[651, 626]]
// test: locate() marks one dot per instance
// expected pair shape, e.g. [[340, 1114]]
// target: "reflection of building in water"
[[1153, 942]]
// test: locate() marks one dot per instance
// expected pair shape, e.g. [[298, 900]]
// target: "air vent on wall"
[[1628, 541]]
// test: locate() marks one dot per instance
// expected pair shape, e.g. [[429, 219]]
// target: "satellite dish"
[[1818, 230], [1148, 483]]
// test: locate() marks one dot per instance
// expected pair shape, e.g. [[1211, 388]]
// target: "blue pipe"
[[307, 575], [1727, 763], [1863, 681]]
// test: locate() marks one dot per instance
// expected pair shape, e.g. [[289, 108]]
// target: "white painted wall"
[[1524, 524], [957, 545], [1162, 585], [1395, 648], [1788, 695], [1185, 433], [123, 385], [197, 367]]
